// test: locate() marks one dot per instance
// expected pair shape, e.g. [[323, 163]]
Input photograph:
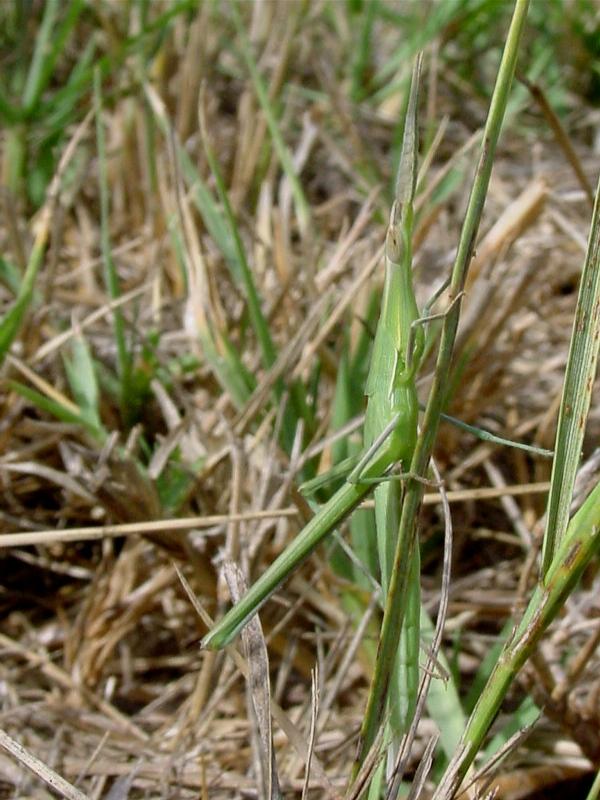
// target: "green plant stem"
[[392, 620], [257, 318], [12, 321], [577, 393], [574, 554], [110, 272], [594, 792]]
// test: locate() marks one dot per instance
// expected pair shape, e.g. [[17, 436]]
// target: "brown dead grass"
[[101, 675]]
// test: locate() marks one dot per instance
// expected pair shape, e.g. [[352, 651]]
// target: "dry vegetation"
[[101, 676]]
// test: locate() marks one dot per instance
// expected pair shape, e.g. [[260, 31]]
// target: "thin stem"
[[392, 620]]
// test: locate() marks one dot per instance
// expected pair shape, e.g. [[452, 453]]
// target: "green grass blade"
[[49, 45], [230, 371], [199, 192], [577, 394], [361, 63], [578, 547], [111, 62], [56, 409], [175, 483], [594, 792], [224, 231], [9, 114], [81, 375], [257, 318], [426, 29], [63, 108], [301, 203], [111, 277], [220, 354], [407, 534], [43, 44], [10, 276], [13, 319]]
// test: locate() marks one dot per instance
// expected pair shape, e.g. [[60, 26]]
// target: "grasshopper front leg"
[[343, 502], [388, 450]]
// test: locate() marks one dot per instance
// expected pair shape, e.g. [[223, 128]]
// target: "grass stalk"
[[110, 272], [13, 319], [257, 318], [301, 203], [392, 621], [43, 44], [48, 47], [574, 553], [565, 556], [577, 394]]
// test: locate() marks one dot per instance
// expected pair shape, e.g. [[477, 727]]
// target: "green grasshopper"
[[392, 408]]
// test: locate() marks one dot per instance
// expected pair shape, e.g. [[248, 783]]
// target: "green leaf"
[[56, 409], [10, 276], [81, 375], [174, 484], [49, 45], [13, 319]]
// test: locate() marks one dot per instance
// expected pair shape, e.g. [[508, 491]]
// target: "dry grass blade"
[[422, 772], [49, 776], [67, 483], [370, 764], [481, 778], [279, 715], [562, 137], [259, 691], [138, 528], [63, 680], [313, 729], [105, 489]]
